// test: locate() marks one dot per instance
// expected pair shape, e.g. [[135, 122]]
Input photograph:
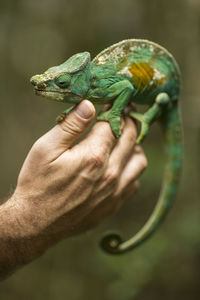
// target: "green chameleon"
[[136, 71]]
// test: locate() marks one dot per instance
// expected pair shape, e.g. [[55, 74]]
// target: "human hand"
[[63, 189]]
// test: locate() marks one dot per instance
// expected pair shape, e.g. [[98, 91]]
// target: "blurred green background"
[[37, 34]]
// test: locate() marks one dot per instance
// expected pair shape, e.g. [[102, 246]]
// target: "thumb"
[[76, 122], [64, 134]]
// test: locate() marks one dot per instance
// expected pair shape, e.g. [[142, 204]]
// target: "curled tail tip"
[[111, 242]]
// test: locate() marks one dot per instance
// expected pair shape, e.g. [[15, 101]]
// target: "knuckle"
[[96, 159], [111, 176], [138, 149]]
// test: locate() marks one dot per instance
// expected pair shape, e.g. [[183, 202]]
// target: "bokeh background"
[[37, 34]]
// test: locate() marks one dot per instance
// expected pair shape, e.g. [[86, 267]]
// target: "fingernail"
[[85, 109]]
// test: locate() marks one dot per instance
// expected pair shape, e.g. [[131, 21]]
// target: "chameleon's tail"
[[171, 124]]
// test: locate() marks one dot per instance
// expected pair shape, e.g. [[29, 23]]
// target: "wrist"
[[19, 243]]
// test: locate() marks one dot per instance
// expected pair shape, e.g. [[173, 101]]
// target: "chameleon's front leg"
[[122, 90], [151, 115]]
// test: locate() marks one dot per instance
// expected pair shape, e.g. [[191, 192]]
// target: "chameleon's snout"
[[36, 81]]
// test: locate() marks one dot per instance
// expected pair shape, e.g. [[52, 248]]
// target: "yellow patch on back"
[[142, 74]]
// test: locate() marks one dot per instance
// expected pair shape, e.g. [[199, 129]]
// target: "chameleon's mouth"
[[55, 95], [56, 92]]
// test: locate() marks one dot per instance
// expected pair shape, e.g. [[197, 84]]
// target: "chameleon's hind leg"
[[62, 116], [124, 90], [151, 115]]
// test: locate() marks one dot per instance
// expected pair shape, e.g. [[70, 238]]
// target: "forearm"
[[17, 245]]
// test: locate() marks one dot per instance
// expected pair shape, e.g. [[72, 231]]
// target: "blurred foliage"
[[36, 34]]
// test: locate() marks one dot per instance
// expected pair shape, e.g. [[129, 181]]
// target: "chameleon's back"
[[150, 68]]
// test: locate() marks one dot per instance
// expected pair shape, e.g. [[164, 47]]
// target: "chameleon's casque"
[[136, 71]]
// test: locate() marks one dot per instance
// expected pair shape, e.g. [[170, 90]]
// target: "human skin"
[[65, 189]]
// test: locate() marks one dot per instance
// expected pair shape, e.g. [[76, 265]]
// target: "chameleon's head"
[[68, 82]]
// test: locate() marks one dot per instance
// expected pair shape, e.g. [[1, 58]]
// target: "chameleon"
[[132, 70]]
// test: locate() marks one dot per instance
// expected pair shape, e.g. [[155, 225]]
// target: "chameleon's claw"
[[60, 118], [116, 131], [113, 120]]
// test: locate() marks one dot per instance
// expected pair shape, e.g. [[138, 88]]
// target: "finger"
[[123, 149], [99, 140], [64, 134], [133, 169], [115, 182], [92, 153], [108, 206], [129, 108], [112, 163]]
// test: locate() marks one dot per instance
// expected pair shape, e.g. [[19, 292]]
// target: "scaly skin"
[[136, 71]]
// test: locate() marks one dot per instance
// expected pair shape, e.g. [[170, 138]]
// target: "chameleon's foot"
[[113, 120], [62, 116], [145, 126], [151, 115]]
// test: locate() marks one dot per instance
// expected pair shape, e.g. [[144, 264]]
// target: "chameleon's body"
[[136, 71]]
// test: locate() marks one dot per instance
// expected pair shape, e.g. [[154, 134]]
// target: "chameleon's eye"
[[63, 81]]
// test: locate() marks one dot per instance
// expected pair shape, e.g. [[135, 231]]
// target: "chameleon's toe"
[[113, 120], [103, 116], [115, 126], [60, 118], [145, 127], [116, 131], [137, 116]]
